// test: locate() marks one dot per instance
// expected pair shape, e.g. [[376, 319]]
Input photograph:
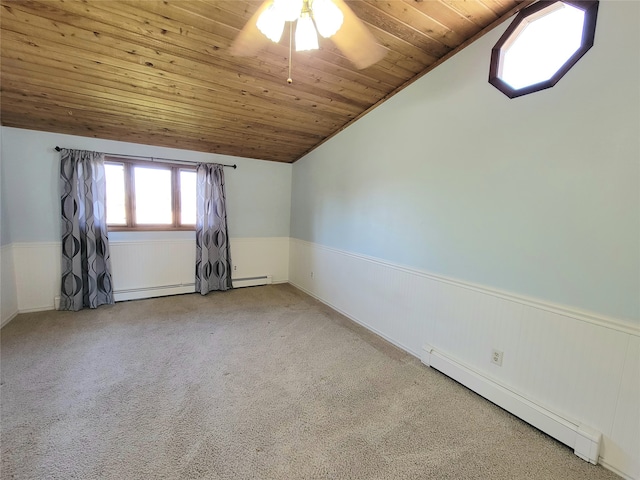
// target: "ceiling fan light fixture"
[[306, 35], [327, 16], [271, 24], [289, 10]]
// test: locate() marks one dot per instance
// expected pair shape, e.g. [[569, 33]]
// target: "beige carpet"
[[256, 383]]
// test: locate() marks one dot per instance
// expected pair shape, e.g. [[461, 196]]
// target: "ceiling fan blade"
[[250, 40], [355, 40]]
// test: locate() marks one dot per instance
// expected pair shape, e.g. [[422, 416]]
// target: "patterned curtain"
[[213, 256], [86, 265]]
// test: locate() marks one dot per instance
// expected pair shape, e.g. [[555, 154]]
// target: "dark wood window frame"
[[590, 8], [130, 198]]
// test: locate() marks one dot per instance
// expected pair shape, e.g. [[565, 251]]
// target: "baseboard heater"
[[144, 292], [177, 289], [584, 440], [160, 291], [252, 281], [152, 292]]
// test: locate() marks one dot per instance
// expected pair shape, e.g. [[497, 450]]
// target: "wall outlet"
[[496, 357], [235, 267], [311, 274]]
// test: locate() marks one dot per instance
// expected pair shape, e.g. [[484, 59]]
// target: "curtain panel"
[[86, 264], [213, 254]]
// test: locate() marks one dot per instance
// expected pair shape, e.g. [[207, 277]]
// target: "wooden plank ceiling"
[[160, 72]]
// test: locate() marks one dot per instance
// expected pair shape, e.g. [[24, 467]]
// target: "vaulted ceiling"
[[159, 72]]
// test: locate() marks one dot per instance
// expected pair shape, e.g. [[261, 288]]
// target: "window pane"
[[544, 45], [188, 197], [116, 213], [153, 196]]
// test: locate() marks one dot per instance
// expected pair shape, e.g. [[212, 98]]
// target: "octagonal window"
[[540, 46]]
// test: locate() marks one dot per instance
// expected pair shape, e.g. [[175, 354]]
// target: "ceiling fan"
[[330, 18]]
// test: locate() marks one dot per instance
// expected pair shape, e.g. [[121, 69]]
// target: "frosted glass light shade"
[[289, 10], [327, 16], [306, 36], [271, 23]]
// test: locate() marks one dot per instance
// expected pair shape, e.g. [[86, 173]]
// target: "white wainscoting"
[[579, 366], [37, 267], [254, 257], [152, 268], [143, 269], [8, 293]]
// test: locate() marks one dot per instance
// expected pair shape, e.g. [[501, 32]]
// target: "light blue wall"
[[5, 233], [537, 195], [258, 192]]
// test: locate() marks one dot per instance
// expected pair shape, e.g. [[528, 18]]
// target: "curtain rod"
[[159, 160]]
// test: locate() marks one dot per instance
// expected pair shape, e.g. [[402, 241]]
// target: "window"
[[149, 196], [541, 45]]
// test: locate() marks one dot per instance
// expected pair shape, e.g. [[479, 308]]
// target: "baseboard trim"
[[152, 292], [137, 294], [584, 440], [45, 308], [252, 281], [613, 469], [9, 318], [357, 320]]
